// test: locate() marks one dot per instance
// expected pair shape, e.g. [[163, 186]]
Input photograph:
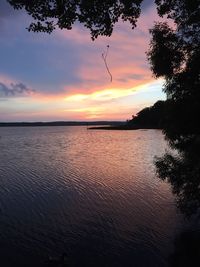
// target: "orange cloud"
[[90, 94], [104, 95]]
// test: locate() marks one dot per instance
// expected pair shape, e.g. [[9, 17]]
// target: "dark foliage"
[[185, 14], [98, 16], [166, 53], [150, 117], [183, 173], [174, 54], [187, 250]]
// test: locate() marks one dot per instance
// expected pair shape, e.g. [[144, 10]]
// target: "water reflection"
[[92, 195], [182, 171], [187, 250]]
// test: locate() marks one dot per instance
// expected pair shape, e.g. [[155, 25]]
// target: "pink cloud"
[[126, 59], [92, 95]]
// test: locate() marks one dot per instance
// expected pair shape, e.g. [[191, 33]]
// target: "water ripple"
[[89, 193]]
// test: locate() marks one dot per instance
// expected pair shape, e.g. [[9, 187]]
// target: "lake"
[[93, 195]]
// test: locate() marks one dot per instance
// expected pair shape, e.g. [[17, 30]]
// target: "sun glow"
[[105, 95], [89, 112]]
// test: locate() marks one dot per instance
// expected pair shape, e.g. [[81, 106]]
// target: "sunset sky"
[[62, 76]]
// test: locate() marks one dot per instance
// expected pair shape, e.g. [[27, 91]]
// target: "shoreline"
[[124, 128], [61, 123]]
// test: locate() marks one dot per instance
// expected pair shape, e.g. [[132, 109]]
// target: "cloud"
[[126, 58], [13, 90], [104, 95], [67, 69], [68, 61]]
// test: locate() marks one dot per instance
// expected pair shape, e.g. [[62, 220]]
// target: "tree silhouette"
[[152, 117], [174, 54], [98, 16]]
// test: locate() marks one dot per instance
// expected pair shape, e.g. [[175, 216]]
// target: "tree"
[[183, 173], [98, 16], [174, 54], [152, 117]]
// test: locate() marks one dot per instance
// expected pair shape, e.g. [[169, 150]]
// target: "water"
[[91, 194]]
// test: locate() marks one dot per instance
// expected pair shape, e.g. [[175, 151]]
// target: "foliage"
[[98, 16], [166, 53], [174, 54], [183, 173], [150, 117]]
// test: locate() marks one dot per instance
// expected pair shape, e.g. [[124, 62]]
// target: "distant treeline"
[[58, 123], [153, 117]]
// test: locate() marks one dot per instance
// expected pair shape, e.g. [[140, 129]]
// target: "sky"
[[62, 76]]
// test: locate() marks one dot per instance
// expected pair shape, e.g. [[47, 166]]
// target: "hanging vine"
[[104, 56]]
